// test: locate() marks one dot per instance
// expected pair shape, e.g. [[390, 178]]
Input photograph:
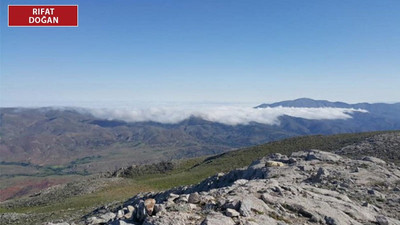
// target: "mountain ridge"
[[65, 142], [309, 102], [49, 136]]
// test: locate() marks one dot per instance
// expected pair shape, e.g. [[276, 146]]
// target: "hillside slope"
[[49, 205], [308, 187]]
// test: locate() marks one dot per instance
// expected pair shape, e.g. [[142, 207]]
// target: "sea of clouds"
[[231, 115]]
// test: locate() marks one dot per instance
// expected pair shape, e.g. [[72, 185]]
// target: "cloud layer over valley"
[[231, 115]]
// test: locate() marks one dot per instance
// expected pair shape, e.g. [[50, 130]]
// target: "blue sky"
[[131, 52]]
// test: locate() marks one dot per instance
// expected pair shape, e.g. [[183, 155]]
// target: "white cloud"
[[231, 115]]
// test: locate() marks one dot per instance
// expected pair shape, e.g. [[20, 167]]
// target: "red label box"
[[42, 15]]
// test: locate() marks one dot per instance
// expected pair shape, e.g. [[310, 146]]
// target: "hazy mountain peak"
[[306, 102], [312, 103]]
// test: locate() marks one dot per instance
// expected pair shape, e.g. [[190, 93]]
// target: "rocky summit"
[[307, 187]]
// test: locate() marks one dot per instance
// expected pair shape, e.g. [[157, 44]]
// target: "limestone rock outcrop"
[[307, 187]]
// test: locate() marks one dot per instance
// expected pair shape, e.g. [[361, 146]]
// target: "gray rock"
[[217, 219], [374, 160], [241, 182], [232, 204], [305, 210], [192, 206], [207, 199], [232, 213], [330, 221], [95, 220], [182, 199], [306, 168], [159, 208], [321, 175], [172, 197], [130, 208], [121, 222], [299, 155], [172, 218], [382, 220], [108, 216], [322, 172], [63, 223], [376, 193], [120, 214], [278, 157], [194, 198], [292, 160], [267, 198], [129, 212], [220, 174], [322, 156], [251, 205]]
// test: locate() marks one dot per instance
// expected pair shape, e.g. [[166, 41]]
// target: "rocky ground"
[[308, 187], [384, 146]]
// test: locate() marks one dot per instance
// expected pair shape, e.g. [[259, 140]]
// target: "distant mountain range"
[[39, 137], [380, 116], [382, 110]]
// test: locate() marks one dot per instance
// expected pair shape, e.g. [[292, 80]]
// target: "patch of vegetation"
[[15, 163], [84, 160], [77, 206], [139, 170]]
